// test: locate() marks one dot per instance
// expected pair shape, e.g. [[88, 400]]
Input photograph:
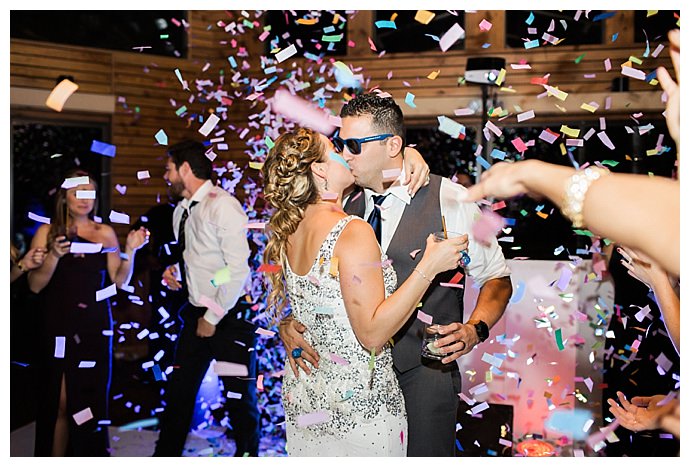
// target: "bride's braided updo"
[[289, 187]]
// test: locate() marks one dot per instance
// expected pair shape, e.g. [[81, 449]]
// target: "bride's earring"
[[325, 184]]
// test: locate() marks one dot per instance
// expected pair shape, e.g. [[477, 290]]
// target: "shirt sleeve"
[[234, 247], [487, 262]]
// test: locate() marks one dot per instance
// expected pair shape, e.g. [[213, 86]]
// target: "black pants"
[[192, 357], [431, 400]]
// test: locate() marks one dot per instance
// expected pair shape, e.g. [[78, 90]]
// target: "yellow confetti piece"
[[393, 16], [507, 89], [572, 132], [501, 76], [221, 277], [256, 165], [628, 64], [542, 215], [336, 18], [557, 93], [635, 60], [588, 108], [333, 271], [424, 16], [433, 74], [562, 109], [652, 13], [307, 22], [652, 152], [653, 82], [489, 377]]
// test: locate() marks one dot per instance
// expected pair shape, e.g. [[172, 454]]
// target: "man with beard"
[[213, 270]]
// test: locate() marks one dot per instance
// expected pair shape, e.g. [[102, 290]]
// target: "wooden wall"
[[148, 83]]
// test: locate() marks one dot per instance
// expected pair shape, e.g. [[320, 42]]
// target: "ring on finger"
[[297, 352]]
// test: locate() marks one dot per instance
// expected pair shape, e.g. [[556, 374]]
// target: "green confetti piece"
[[139, 424], [579, 59], [523, 212], [583, 232], [332, 38], [269, 142], [348, 394], [635, 60], [372, 359], [181, 110], [559, 340], [164, 36], [610, 163], [607, 242], [249, 24], [221, 277]]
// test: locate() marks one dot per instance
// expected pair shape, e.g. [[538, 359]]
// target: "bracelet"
[[575, 192], [423, 275], [19, 265]]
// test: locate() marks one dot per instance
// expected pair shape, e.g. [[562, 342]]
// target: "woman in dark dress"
[[75, 328]]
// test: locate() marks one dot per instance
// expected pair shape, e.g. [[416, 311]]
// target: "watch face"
[[482, 330]]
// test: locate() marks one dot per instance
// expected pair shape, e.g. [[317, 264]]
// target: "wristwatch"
[[481, 327]]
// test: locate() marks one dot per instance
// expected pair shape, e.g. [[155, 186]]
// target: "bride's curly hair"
[[289, 187]]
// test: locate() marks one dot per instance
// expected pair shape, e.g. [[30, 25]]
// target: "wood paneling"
[[148, 83]]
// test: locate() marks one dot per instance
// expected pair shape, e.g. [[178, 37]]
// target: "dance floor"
[[140, 443]]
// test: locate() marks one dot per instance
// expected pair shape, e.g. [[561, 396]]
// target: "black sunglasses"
[[354, 145]]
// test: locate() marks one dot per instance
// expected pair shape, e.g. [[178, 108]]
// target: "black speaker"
[[489, 433]]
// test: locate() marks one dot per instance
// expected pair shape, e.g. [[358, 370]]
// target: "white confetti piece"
[[108, 292], [314, 418], [81, 248], [230, 369], [83, 416], [286, 53], [59, 347], [209, 124]]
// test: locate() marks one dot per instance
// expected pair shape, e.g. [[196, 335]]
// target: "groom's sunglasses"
[[354, 145]]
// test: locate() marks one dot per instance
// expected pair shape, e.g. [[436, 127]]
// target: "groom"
[[371, 141]]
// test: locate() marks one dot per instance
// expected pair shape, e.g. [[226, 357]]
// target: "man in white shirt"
[[371, 141], [210, 229]]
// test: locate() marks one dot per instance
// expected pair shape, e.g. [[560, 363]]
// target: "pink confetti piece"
[[607, 64], [606, 140], [255, 225], [301, 111], [494, 129], [265, 332], [497, 206], [658, 50], [564, 280], [424, 318], [485, 25], [451, 37], [487, 226], [519, 145], [83, 416], [521, 66], [633, 73], [108, 292], [37, 218], [462, 112], [85, 248], [230, 369], [260, 382], [118, 217], [451, 285], [467, 400], [314, 418], [329, 196], [391, 174], [212, 305], [525, 116], [338, 359], [574, 142], [413, 254]]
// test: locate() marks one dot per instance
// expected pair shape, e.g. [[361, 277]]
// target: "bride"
[[342, 287]]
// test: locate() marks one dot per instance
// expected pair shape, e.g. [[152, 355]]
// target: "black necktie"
[[375, 217], [181, 240]]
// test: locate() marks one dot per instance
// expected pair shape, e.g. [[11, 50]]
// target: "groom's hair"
[[386, 115]]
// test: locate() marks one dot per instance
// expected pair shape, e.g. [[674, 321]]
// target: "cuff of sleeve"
[[212, 318]]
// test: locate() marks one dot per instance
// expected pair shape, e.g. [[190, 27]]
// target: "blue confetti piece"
[[569, 421], [436, 38], [232, 61], [329, 29], [409, 100], [103, 149], [162, 138], [459, 446], [509, 220], [483, 162], [518, 293], [498, 154], [139, 424], [486, 45], [532, 44], [157, 373], [614, 37], [385, 24], [491, 452], [339, 159], [603, 16], [530, 18]]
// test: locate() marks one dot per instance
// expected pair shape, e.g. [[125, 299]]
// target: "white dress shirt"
[[215, 238], [486, 262]]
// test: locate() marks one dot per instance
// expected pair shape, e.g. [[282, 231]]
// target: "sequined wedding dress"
[[343, 408]]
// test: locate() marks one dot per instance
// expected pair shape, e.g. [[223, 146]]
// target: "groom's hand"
[[291, 333]]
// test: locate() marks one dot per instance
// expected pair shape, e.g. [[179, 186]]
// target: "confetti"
[[37, 218], [338, 359], [314, 418], [103, 149], [451, 36], [59, 347], [424, 16], [118, 217], [143, 174], [161, 138], [286, 53], [60, 93], [85, 248], [209, 125], [108, 292], [409, 100], [423, 317], [83, 416], [302, 112], [485, 25], [230, 369]]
